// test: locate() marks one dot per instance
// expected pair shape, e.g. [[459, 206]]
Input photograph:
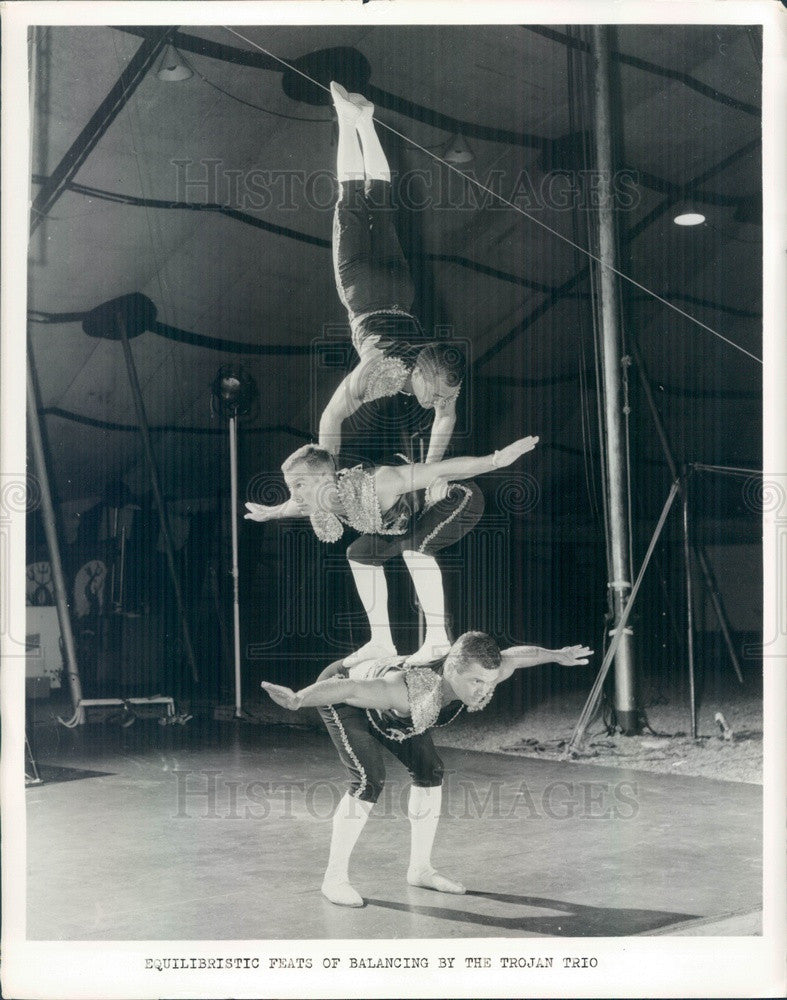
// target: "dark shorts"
[[434, 528], [361, 750], [369, 266]]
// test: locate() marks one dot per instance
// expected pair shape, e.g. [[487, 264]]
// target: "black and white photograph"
[[393, 499]]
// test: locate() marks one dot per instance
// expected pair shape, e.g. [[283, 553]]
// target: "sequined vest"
[[424, 693]]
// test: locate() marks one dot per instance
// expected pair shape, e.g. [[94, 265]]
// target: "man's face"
[[472, 683], [310, 488], [430, 387]]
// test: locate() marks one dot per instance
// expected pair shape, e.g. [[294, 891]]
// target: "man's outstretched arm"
[[384, 694], [392, 481], [522, 657], [259, 511]]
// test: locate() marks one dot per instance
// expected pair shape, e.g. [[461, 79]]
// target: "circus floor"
[[220, 831]]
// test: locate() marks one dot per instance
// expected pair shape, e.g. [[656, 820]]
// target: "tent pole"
[[625, 675], [586, 715], [689, 604], [233, 424], [144, 431], [50, 530]]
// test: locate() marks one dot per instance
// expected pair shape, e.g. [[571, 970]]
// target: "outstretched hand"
[[509, 454], [573, 656], [282, 695], [258, 512]]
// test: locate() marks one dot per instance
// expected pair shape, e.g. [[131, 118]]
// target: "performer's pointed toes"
[[428, 878], [340, 892], [361, 103], [346, 108], [371, 651]]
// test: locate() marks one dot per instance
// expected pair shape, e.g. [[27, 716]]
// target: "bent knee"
[[362, 551]]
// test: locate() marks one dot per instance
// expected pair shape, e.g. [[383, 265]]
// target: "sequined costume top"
[[424, 693], [358, 495], [391, 339]]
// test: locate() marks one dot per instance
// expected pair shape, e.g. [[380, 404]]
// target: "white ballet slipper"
[[371, 651], [430, 651], [343, 103], [428, 878], [363, 104], [340, 892]]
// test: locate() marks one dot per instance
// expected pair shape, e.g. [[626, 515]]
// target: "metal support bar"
[[718, 606], [689, 606], [611, 343], [144, 431], [105, 114], [233, 426], [620, 631], [50, 531]]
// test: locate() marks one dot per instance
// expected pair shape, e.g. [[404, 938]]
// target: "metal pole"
[[50, 530], [645, 382], [718, 607], [144, 431], [590, 705], [689, 605], [235, 571], [421, 615], [625, 677]]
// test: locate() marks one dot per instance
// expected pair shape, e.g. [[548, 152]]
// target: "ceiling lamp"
[[172, 68], [458, 150], [689, 219]]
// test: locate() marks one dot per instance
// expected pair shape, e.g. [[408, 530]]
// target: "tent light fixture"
[[172, 67], [689, 219]]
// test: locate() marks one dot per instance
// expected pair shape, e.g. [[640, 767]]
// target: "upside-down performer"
[[376, 289], [389, 704], [375, 503]]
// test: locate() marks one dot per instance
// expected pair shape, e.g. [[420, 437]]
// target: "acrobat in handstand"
[[375, 287], [375, 503], [390, 705]]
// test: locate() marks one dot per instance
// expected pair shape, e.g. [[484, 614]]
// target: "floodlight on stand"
[[171, 67], [458, 150], [232, 392]]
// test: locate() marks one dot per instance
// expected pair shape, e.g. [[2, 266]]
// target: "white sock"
[[428, 583], [374, 158], [423, 810], [372, 589], [348, 821]]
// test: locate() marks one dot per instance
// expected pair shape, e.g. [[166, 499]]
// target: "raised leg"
[[423, 810], [374, 159], [349, 156]]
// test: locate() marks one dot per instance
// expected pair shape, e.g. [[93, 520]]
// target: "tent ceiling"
[[183, 200]]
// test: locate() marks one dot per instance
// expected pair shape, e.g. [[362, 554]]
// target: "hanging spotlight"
[[171, 67], [689, 219], [458, 150]]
